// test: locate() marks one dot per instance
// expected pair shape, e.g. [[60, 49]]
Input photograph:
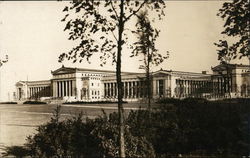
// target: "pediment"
[[20, 83], [63, 70], [160, 73], [222, 67]]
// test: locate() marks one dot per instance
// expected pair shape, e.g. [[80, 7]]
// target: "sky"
[[31, 34]]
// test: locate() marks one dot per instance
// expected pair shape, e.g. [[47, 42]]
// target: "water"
[[17, 121]]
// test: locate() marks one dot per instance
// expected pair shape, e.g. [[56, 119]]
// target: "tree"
[[146, 36], [237, 25], [225, 57], [89, 19]]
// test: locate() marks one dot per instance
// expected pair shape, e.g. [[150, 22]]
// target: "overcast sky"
[[31, 33]]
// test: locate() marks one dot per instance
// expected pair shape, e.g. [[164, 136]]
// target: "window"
[[92, 84]]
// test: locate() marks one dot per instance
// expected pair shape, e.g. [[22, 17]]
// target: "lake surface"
[[17, 121]]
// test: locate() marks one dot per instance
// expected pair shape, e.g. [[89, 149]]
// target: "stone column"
[[39, 92], [66, 88], [33, 92], [131, 89], [112, 90], [139, 89], [55, 89], [105, 90], [30, 92], [128, 89], [124, 88], [166, 87], [63, 88], [69, 88], [116, 90], [42, 91], [136, 91], [60, 88], [108, 88]]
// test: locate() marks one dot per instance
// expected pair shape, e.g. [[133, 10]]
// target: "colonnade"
[[64, 88], [131, 89], [37, 92], [222, 85], [188, 88], [162, 87]]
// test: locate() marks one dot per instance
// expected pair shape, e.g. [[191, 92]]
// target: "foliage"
[[18, 151], [162, 131], [92, 102], [237, 25], [2, 61], [145, 46], [187, 127], [95, 27], [146, 38], [196, 127], [34, 102], [8, 102], [168, 101], [91, 138]]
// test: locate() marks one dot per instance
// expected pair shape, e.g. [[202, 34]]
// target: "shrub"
[[18, 151], [197, 127], [8, 102], [34, 102], [91, 138]]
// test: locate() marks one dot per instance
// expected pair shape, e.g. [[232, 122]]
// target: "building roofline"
[[92, 70], [35, 81], [184, 72], [231, 65]]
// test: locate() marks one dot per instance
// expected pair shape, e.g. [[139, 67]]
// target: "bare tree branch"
[[113, 8]]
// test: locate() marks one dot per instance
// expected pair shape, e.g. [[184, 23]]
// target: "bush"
[[91, 138], [195, 126], [168, 101], [188, 127], [34, 102], [93, 102], [18, 151], [8, 102]]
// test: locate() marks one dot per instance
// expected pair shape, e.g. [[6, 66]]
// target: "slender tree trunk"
[[228, 83], [148, 80], [119, 83]]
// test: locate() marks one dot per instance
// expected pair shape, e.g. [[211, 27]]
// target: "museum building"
[[80, 84]]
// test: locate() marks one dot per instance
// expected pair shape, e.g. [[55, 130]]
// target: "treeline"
[[189, 127]]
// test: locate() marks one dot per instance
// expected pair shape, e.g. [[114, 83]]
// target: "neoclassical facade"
[[78, 84]]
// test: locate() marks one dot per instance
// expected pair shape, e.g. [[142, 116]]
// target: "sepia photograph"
[[125, 78]]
